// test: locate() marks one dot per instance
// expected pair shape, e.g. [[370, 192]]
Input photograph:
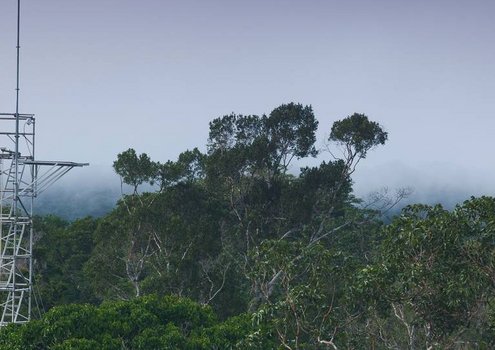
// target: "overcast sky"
[[105, 75]]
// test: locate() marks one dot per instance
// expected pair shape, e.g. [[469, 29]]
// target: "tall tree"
[[135, 170]]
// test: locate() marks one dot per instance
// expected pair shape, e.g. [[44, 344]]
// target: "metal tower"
[[22, 179]]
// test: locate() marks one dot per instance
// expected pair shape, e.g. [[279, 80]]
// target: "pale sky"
[[105, 75]]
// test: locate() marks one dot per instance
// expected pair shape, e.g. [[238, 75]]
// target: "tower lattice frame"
[[22, 179]]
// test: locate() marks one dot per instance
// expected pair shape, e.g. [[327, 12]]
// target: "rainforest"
[[231, 248]]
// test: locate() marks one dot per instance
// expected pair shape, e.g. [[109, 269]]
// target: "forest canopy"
[[230, 248]]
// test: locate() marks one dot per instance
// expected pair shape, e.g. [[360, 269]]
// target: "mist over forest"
[[97, 191], [230, 248], [289, 175]]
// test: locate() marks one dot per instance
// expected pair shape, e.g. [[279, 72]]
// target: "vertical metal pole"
[[34, 175], [16, 168], [16, 154]]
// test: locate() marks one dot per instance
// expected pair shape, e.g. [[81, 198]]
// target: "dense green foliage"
[[144, 323], [62, 250], [272, 259]]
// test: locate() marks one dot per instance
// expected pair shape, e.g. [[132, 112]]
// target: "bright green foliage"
[[435, 274], [144, 323], [308, 307]]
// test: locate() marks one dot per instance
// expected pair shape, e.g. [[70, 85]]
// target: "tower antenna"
[[22, 179]]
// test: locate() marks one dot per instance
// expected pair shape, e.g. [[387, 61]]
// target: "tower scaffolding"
[[22, 179]]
